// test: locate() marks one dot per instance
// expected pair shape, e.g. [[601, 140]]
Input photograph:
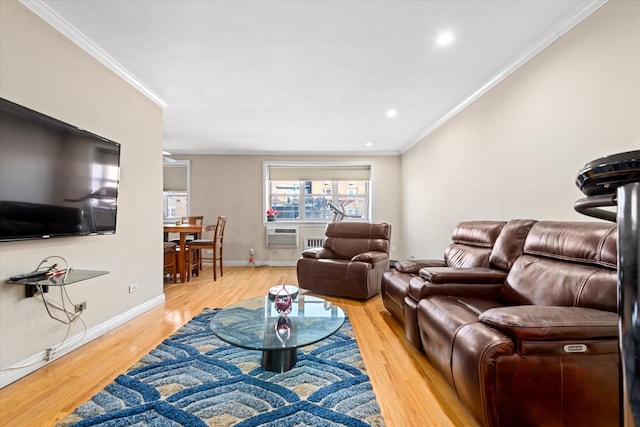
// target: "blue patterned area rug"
[[195, 379]]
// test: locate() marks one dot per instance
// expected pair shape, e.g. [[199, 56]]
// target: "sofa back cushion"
[[347, 239], [471, 243], [510, 243], [566, 264]]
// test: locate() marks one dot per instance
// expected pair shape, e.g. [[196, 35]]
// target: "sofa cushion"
[[509, 244], [472, 242], [439, 319], [441, 316], [347, 239], [477, 233], [583, 242], [544, 281]]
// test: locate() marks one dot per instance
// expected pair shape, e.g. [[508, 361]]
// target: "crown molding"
[[561, 28], [63, 26]]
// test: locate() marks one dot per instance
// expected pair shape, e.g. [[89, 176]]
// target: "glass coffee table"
[[255, 324]]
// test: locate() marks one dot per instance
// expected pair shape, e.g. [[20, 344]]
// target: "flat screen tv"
[[55, 179]]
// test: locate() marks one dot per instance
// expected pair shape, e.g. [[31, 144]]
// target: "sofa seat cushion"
[[334, 268], [552, 323], [341, 277], [440, 318]]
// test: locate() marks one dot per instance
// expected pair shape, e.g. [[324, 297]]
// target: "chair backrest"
[[219, 231], [195, 220], [347, 239]]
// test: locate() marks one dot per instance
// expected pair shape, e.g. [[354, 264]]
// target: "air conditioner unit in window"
[[282, 236]]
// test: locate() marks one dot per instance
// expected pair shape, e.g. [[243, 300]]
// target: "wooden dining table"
[[185, 229]]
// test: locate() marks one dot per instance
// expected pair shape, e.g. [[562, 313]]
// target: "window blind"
[[319, 173], [174, 178]]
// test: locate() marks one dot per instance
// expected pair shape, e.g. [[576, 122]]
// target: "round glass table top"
[[255, 323]]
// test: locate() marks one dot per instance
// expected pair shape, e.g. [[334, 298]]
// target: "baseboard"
[[38, 360], [260, 263]]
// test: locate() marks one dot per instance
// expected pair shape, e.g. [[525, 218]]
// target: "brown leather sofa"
[[351, 262], [480, 255], [540, 348]]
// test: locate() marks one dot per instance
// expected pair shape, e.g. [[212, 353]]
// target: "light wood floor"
[[409, 391]]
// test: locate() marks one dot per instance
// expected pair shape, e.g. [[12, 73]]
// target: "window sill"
[[296, 222]]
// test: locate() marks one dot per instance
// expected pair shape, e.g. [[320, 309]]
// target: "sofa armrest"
[[318, 253], [413, 266], [462, 275], [532, 322], [420, 288], [371, 257]]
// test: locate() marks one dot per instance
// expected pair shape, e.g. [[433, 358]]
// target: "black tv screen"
[[55, 179]]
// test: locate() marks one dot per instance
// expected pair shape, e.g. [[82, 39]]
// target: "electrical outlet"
[[252, 252], [133, 288], [51, 352], [81, 307]]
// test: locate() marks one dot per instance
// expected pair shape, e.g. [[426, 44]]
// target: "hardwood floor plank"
[[409, 391]]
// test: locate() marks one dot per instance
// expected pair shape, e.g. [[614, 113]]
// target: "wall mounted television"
[[55, 179]]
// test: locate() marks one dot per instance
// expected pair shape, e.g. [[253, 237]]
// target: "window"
[[303, 191], [176, 204], [175, 194]]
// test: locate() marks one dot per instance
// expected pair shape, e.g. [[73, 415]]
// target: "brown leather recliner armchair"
[[351, 262]]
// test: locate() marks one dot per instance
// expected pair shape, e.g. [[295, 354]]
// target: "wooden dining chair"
[[170, 260], [191, 258], [215, 245], [194, 220]]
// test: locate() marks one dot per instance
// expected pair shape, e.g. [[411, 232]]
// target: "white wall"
[[233, 186], [516, 151], [44, 71]]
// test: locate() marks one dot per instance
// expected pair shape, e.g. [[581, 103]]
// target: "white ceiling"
[[310, 77]]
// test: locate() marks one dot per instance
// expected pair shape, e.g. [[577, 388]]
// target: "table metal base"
[[279, 360]]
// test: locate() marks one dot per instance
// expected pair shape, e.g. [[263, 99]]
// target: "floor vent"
[[313, 242]]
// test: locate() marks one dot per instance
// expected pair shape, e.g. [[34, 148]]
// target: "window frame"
[[166, 193], [368, 197]]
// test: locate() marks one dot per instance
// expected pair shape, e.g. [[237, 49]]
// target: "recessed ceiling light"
[[392, 113], [166, 153], [368, 143], [445, 38]]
